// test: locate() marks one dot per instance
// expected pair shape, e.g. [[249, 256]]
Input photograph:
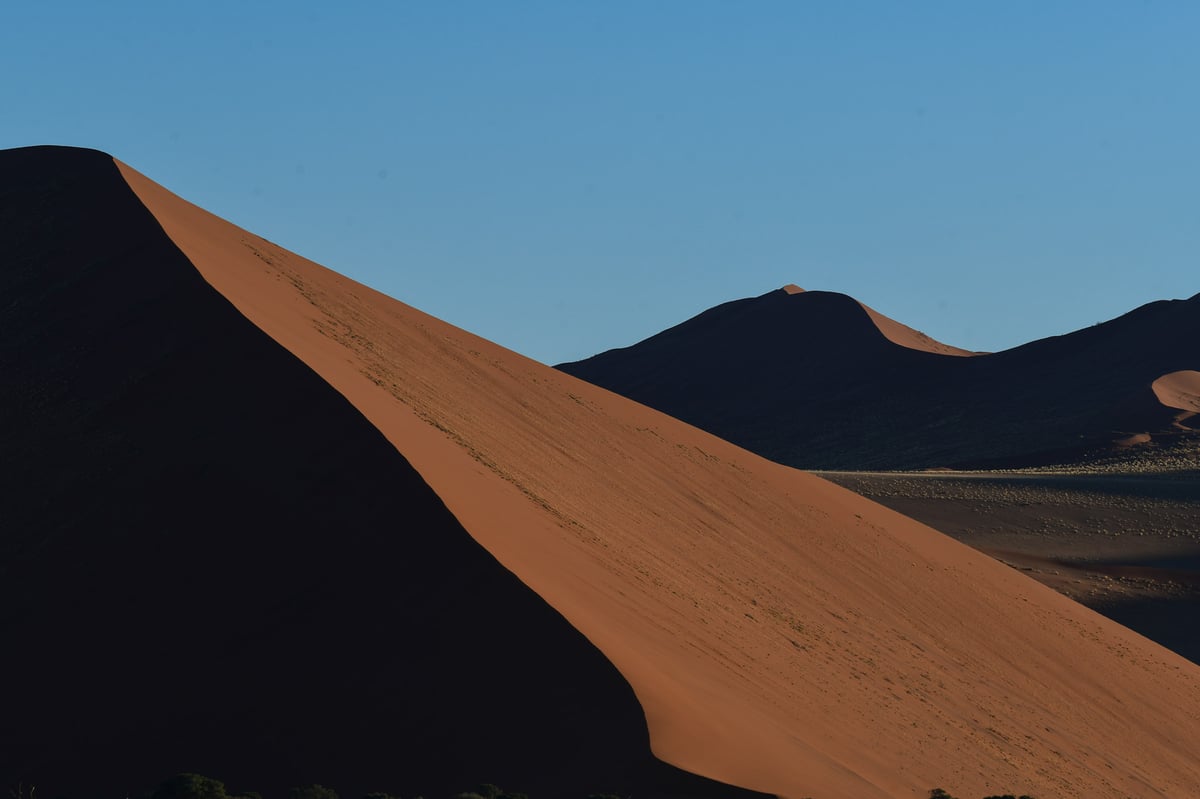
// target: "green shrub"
[[190, 786], [489, 791], [312, 792]]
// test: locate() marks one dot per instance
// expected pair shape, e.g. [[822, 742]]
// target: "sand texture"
[[781, 633], [1179, 390], [1124, 543], [211, 562]]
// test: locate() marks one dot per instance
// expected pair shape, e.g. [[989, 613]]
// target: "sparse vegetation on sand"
[[197, 786], [938, 793]]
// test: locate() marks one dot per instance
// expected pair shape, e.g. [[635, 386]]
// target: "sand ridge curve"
[[906, 336], [898, 333]]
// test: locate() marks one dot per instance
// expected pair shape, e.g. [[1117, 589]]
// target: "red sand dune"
[[781, 633], [818, 380], [905, 336], [1180, 390], [210, 561], [898, 333]]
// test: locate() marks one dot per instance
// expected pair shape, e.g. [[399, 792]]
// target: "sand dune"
[[780, 633], [1180, 390], [1122, 542], [865, 392], [212, 562], [905, 336], [897, 333]]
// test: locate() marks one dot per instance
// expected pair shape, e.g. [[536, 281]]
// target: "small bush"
[[190, 786], [312, 792]]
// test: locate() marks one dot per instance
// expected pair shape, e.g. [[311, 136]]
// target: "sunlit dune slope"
[[1180, 390], [210, 561], [780, 633]]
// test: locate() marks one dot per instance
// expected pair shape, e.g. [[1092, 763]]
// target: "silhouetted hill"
[[211, 561], [810, 379]]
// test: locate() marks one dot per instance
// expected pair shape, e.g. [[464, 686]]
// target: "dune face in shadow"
[[816, 380], [211, 561]]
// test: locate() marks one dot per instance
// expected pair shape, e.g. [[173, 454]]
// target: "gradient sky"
[[565, 177]]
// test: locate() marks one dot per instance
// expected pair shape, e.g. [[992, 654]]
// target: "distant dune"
[[806, 379], [1179, 390], [779, 634], [897, 333]]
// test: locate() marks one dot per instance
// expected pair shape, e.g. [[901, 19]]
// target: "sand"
[[816, 380], [1124, 542], [1179, 390], [898, 333], [211, 562], [781, 633], [906, 336]]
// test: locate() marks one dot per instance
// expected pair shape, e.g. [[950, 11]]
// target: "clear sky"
[[565, 177]]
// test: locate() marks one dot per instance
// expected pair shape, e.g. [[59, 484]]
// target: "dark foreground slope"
[[210, 561], [810, 380]]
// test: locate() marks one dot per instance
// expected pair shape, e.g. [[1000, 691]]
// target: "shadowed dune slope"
[[803, 379], [899, 334], [781, 633], [212, 562]]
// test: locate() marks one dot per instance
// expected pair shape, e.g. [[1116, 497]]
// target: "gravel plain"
[[1120, 535]]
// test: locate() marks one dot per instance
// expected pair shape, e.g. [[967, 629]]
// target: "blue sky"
[[565, 177]]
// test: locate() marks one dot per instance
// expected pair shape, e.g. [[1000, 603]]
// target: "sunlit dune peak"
[[1179, 390]]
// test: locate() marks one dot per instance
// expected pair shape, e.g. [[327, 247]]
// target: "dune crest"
[[781, 633], [895, 332], [861, 391], [213, 562], [906, 336]]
